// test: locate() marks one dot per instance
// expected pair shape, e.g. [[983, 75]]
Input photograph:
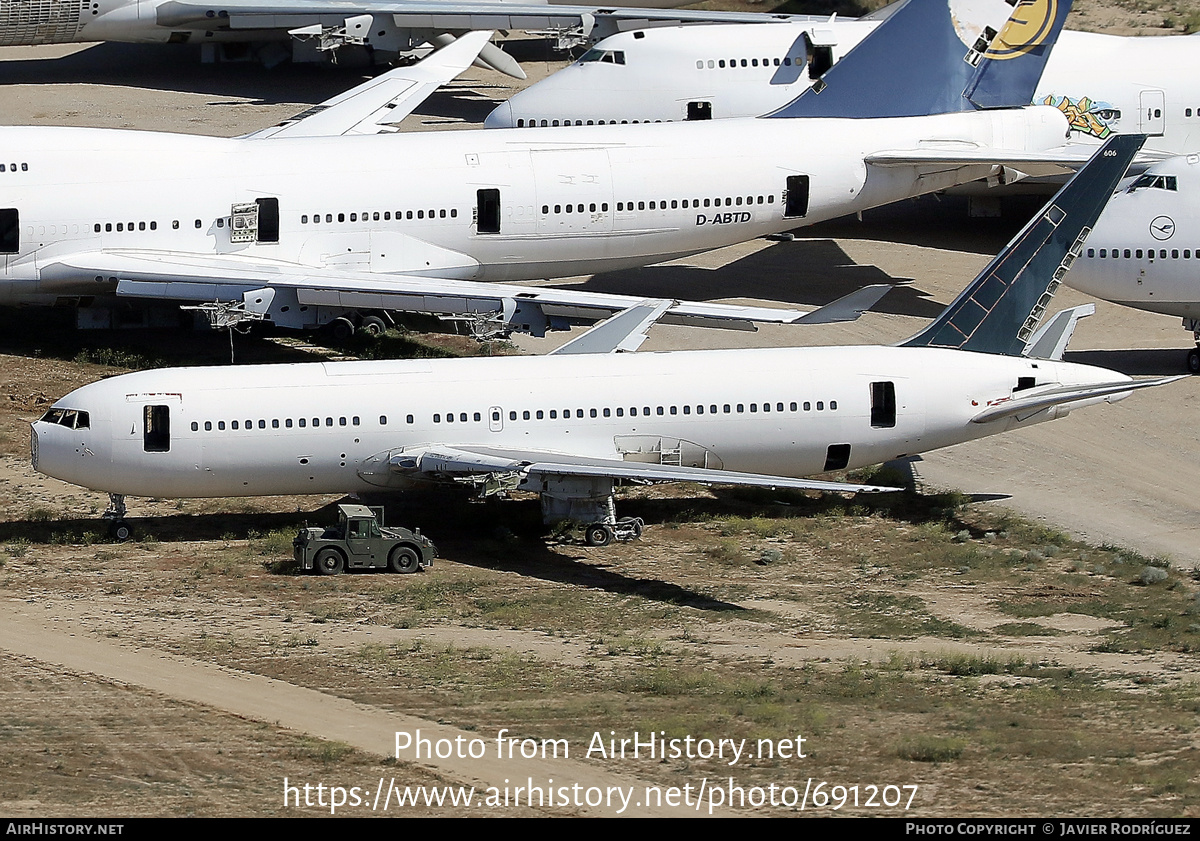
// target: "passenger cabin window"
[[796, 203], [156, 436], [883, 405], [10, 231]]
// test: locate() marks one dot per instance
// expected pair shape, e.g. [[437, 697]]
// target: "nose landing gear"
[[118, 529]]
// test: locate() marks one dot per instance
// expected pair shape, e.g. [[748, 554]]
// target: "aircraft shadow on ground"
[[807, 273], [177, 68], [581, 571], [934, 221], [506, 536], [1157, 362]]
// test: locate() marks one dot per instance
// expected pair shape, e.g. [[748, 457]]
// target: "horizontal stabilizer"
[[1062, 160], [1024, 407], [625, 331], [376, 106], [1050, 342], [449, 461], [848, 307]]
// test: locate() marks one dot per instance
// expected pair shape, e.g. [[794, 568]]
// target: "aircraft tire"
[[597, 534], [1193, 361], [404, 560], [373, 325], [341, 329], [119, 530], [330, 562]]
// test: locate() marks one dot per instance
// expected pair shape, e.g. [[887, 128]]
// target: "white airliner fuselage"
[[482, 205], [1145, 249], [785, 412], [1103, 83]]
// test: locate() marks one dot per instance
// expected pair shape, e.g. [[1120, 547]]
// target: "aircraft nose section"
[[66, 453], [501, 117]]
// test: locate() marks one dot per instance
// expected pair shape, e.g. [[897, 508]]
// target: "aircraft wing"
[[1064, 160], [477, 463], [443, 15], [1027, 406], [379, 105], [261, 285]]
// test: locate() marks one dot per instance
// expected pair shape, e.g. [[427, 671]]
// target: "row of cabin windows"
[[13, 167], [1137, 253], [288, 423], [645, 411], [276, 423], [752, 62], [109, 227], [578, 208], [628, 206], [728, 202], [534, 123], [385, 216]]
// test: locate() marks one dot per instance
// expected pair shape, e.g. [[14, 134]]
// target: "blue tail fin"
[[1002, 307], [915, 63]]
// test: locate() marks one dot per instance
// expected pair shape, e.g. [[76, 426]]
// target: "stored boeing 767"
[[308, 221], [569, 426]]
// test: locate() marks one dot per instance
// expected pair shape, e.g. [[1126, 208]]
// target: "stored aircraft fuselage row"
[[319, 205], [571, 427]]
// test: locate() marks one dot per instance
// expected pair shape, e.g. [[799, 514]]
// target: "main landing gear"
[[602, 534], [118, 529], [1193, 357]]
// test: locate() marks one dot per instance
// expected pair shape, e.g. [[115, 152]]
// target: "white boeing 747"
[[1104, 84], [334, 216], [1145, 249], [571, 425]]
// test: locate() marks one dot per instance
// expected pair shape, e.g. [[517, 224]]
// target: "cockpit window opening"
[[606, 56], [70, 418], [1155, 182]]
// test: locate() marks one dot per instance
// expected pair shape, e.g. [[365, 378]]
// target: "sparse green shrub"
[[1152, 575], [726, 552], [931, 749], [770, 556]]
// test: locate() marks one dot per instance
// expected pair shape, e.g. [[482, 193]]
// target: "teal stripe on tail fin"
[[1001, 309], [915, 64]]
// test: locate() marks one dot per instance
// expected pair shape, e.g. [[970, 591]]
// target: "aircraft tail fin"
[[1001, 309], [917, 62]]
